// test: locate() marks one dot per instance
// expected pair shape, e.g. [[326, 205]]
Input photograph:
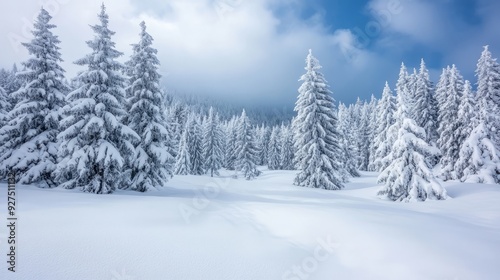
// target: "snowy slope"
[[260, 229]]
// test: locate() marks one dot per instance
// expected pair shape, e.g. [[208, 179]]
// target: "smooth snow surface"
[[261, 229]]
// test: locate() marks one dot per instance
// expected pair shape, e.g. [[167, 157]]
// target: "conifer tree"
[[246, 149], [385, 119], [448, 120], [29, 136], [152, 163], [182, 161], [94, 141], [213, 140], [316, 132], [274, 153], [425, 110], [287, 152]]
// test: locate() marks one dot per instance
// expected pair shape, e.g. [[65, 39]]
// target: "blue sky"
[[254, 51]]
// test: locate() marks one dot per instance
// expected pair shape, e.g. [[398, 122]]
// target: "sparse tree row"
[[114, 127]]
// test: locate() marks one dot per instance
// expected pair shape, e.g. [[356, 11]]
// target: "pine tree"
[[441, 94], [182, 161], [316, 131], [347, 143], [448, 120], [425, 110], [488, 93], [372, 132], [287, 152], [264, 139], [195, 145], [274, 153], [410, 178], [385, 119], [213, 140], [152, 163], [231, 148], [94, 141], [479, 157], [246, 150], [403, 111], [364, 137], [29, 139]]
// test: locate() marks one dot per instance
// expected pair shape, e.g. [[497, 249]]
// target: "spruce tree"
[[347, 143], [385, 119], [488, 93], [246, 149], [152, 163], [410, 177], [94, 141], [274, 153], [316, 132], [287, 151], [182, 161], [195, 145], [425, 110], [213, 143], [448, 120], [29, 137], [479, 157]]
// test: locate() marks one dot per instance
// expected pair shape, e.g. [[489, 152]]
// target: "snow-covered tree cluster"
[[115, 127]]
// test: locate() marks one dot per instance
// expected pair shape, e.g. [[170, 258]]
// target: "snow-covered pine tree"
[[410, 177], [213, 143], [231, 148], [402, 99], [195, 145], [29, 138], [347, 143], [467, 121], [317, 138], [479, 159], [373, 128], [448, 120], [425, 109], [287, 151], [441, 91], [246, 150], [274, 153], [364, 135], [152, 164], [94, 141], [385, 118], [182, 161], [488, 93], [264, 139]]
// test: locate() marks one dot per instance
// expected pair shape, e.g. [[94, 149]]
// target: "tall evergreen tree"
[[347, 143], [152, 163], [385, 119], [425, 110], [213, 143], [182, 161], [274, 153], [29, 138], [246, 149], [316, 132], [441, 94], [488, 93], [94, 141], [195, 145], [479, 159], [448, 120], [231, 148], [287, 151]]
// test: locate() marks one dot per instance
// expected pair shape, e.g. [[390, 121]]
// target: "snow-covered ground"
[[212, 228]]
